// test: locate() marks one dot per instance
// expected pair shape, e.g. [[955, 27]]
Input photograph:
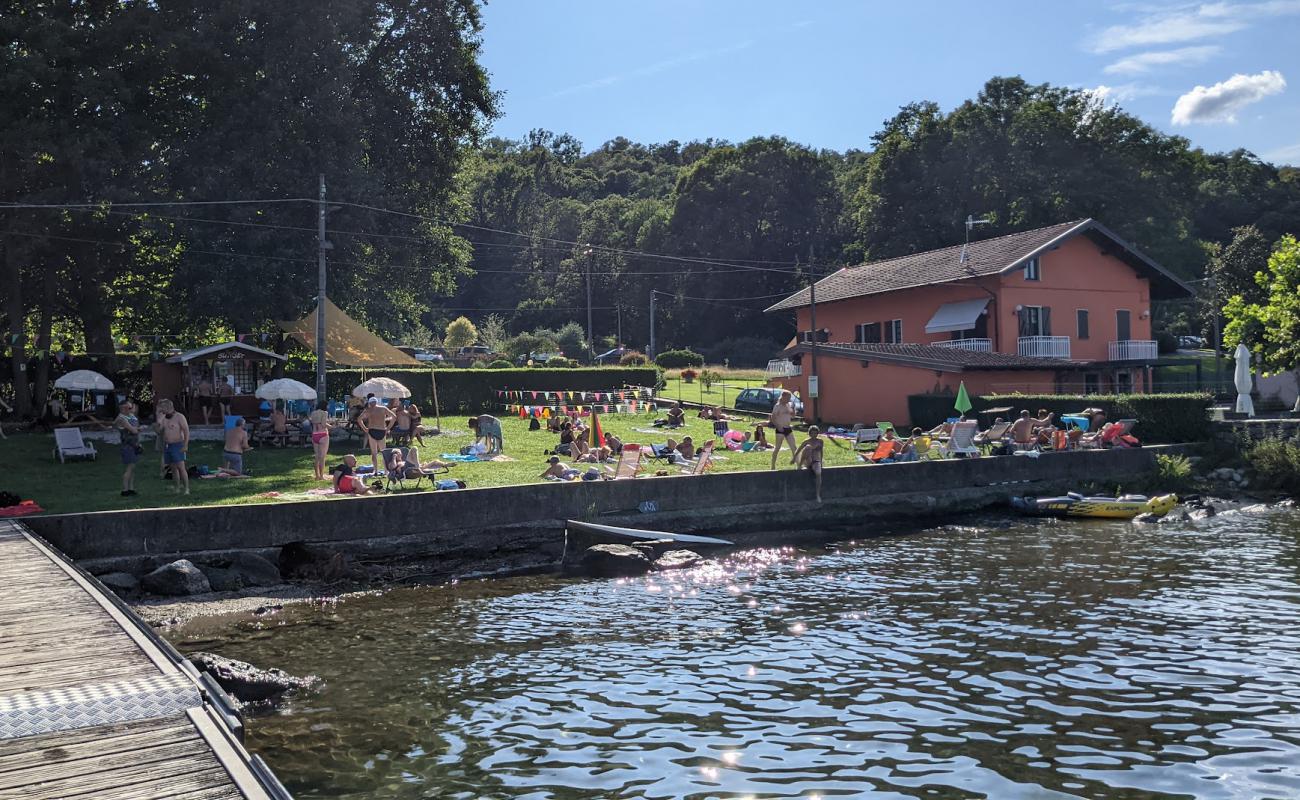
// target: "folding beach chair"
[[629, 462], [886, 426], [703, 460], [417, 472], [962, 441], [887, 449], [993, 436], [68, 444], [866, 436], [720, 428]]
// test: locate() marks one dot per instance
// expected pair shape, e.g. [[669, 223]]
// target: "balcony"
[[783, 368], [977, 345], [1134, 350], [1044, 346]]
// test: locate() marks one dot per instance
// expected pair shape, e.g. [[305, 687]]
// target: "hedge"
[[472, 391], [1162, 418], [673, 359]]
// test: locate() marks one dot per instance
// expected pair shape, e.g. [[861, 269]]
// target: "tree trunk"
[[96, 319], [14, 309], [42, 381]]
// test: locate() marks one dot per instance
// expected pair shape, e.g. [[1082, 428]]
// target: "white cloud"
[[1284, 155], [1188, 24], [1123, 92], [1222, 101], [651, 69], [1144, 62]]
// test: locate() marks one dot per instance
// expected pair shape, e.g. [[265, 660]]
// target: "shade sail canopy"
[[285, 389], [383, 388], [959, 316], [347, 341], [84, 380]]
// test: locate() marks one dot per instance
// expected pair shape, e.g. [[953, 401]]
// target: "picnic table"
[[86, 419]]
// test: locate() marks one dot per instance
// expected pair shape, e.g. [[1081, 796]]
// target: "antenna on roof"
[[971, 222]]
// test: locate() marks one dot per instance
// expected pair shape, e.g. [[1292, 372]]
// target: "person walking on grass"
[[781, 421], [175, 432], [376, 421], [809, 456], [128, 427]]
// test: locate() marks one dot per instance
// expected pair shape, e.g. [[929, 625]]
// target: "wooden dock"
[[94, 705]]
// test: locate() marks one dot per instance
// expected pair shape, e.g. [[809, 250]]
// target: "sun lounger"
[[703, 460], [866, 436], [410, 470], [68, 444], [885, 426], [629, 462], [962, 441]]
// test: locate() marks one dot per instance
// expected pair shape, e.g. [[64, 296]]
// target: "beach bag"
[[534, 424]]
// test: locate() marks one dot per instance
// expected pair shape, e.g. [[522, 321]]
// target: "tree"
[[571, 338], [1233, 267], [1271, 329], [460, 333], [492, 333]]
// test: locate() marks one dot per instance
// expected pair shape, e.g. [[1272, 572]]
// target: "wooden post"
[[437, 413]]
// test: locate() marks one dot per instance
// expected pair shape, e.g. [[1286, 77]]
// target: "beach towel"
[[21, 510], [458, 457]]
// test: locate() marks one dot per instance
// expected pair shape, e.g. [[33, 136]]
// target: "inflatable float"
[[1076, 505]]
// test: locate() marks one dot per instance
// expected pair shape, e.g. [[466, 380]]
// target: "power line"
[[76, 206]]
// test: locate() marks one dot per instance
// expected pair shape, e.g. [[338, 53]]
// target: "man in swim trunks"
[[781, 422], [232, 455], [224, 393], [174, 430], [809, 456], [376, 420], [206, 397], [559, 470], [402, 425]]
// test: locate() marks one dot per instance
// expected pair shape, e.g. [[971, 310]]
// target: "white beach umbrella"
[[383, 388], [84, 380], [1241, 378], [285, 389]]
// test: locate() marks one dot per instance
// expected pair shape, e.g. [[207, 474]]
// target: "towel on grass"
[[457, 457], [22, 509]]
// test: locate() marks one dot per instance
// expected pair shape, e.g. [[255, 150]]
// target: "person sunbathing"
[[676, 416], [597, 456], [559, 471], [1022, 430], [686, 448], [760, 437], [346, 480]]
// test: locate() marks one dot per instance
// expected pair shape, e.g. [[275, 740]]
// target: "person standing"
[[224, 392], [486, 426], [206, 395], [781, 422], [128, 427], [175, 432], [232, 455], [320, 439], [376, 421]]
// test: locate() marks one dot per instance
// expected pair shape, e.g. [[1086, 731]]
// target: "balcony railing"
[[1044, 346], [978, 345], [783, 368], [1134, 350]]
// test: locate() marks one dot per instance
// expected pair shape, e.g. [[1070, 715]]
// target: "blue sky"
[[826, 74]]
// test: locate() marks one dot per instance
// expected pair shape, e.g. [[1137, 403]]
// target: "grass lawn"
[[722, 393], [95, 486]]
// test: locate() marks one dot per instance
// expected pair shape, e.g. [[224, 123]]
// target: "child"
[[809, 455]]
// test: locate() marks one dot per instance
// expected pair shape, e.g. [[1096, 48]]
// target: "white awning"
[[960, 316]]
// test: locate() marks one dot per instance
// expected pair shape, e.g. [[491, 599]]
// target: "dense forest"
[[240, 106]]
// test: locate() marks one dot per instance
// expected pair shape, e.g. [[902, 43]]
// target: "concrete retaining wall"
[[502, 525], [1235, 431]]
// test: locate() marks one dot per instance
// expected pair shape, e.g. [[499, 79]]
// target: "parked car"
[[611, 356], [1191, 341], [420, 353], [762, 400], [471, 353], [536, 358]]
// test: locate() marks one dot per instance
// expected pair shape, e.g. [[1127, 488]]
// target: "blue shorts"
[[235, 460], [174, 453], [129, 455]]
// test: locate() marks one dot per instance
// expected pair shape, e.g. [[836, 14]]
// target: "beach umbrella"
[[383, 388], [84, 380], [285, 389], [962, 403], [1241, 378]]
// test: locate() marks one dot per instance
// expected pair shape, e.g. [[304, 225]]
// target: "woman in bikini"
[[320, 439], [809, 455]]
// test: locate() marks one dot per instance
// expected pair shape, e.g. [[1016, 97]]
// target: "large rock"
[[177, 578], [305, 561], [678, 559], [245, 682], [223, 579], [241, 570], [614, 560], [122, 583]]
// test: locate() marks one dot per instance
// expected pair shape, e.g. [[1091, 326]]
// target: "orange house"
[[1060, 309]]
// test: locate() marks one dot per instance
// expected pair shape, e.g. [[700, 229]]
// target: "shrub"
[[480, 364], [1162, 418], [742, 352], [500, 363], [689, 374], [708, 377], [572, 340], [1276, 464], [632, 358], [527, 343], [560, 362], [1166, 342], [673, 359], [460, 333], [1172, 474]]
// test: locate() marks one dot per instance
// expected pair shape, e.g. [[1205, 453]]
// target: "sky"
[[828, 73]]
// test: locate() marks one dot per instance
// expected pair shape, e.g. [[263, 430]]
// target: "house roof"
[[226, 350], [987, 257], [924, 356]]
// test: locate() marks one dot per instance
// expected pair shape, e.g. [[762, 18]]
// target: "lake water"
[[1001, 658]]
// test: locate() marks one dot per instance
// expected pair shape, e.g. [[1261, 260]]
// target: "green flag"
[[963, 400]]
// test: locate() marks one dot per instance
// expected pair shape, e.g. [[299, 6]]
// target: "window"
[[1031, 269], [1123, 382], [867, 333], [894, 331], [823, 335], [1123, 326], [1091, 383], [1035, 321], [1082, 314]]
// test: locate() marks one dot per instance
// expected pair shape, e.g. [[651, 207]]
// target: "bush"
[[1162, 418], [572, 340], [1172, 474], [480, 364], [1166, 342], [708, 377], [560, 362], [688, 374], [500, 363], [474, 390], [673, 359], [742, 352], [1276, 464], [632, 358]]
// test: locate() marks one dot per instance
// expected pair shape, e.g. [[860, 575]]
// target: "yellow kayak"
[[1076, 505]]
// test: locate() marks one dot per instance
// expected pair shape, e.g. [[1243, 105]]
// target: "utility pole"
[[1218, 346], [650, 351], [812, 323], [618, 310], [591, 342], [321, 246]]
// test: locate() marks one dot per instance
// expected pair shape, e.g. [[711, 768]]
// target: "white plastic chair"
[[962, 440], [69, 444]]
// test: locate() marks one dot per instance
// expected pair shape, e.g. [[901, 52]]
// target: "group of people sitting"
[[1044, 431]]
